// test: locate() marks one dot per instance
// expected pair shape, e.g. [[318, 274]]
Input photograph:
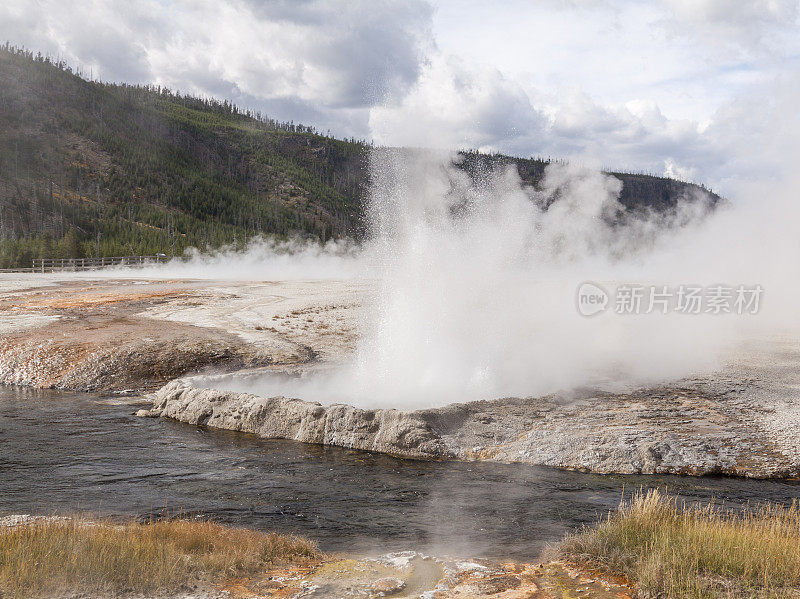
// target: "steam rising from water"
[[265, 259], [478, 297], [477, 282]]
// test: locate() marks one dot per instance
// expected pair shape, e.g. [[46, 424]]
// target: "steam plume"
[[477, 281]]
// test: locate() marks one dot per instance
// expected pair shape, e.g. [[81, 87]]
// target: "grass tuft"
[[673, 551], [51, 557]]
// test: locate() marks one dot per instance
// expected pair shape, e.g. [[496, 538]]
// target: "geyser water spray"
[[476, 279]]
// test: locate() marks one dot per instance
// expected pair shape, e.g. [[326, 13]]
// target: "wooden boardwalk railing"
[[58, 264]]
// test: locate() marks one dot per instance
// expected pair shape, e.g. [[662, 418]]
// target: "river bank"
[[651, 546], [133, 336], [192, 559], [68, 331], [69, 453]]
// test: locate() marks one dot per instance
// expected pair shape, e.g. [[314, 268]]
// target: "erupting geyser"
[[476, 277]]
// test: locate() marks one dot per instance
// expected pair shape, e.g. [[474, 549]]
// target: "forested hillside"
[[96, 169]]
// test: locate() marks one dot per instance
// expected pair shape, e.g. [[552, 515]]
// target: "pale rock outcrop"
[[386, 431], [650, 431]]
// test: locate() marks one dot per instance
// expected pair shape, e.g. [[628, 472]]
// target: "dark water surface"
[[62, 452]]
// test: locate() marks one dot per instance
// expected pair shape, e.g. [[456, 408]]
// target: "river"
[[78, 453]]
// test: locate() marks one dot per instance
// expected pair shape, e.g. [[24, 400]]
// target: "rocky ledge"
[[696, 429], [136, 335]]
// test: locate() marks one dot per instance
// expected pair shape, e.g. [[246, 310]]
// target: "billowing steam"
[[478, 297], [476, 290], [477, 281], [264, 259]]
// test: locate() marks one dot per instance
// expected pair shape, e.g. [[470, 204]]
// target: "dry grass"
[[670, 550], [95, 556]]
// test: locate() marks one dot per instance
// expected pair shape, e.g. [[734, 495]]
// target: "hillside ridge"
[[105, 169]]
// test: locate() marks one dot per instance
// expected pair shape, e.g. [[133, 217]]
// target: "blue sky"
[[656, 86]]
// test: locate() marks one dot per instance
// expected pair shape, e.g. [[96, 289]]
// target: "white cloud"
[[746, 26], [676, 171], [306, 58], [334, 54], [660, 86], [458, 104]]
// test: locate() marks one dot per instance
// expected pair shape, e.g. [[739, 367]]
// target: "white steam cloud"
[[477, 280], [477, 283], [264, 259]]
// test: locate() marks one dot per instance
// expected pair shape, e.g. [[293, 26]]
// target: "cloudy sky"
[[669, 86]]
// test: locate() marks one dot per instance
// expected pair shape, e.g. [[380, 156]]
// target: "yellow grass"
[[670, 550], [83, 556]]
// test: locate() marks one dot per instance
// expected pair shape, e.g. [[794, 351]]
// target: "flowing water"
[[67, 453]]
